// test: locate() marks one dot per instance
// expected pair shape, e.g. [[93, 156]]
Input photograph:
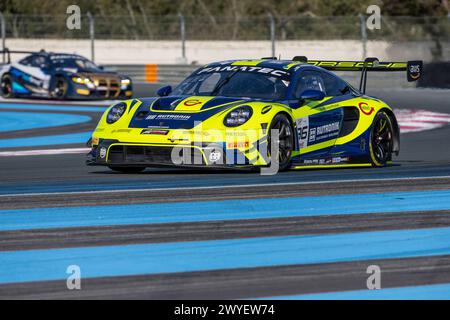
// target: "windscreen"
[[74, 62], [236, 81]]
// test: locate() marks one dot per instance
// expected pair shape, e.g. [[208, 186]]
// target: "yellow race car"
[[265, 113]]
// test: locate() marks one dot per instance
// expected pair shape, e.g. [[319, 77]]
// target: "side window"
[[39, 62], [334, 86], [26, 61], [208, 84], [309, 80]]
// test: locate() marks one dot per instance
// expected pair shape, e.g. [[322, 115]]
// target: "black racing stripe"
[[193, 194], [217, 230], [243, 283]]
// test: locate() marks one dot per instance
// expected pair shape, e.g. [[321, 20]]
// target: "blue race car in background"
[[60, 76]]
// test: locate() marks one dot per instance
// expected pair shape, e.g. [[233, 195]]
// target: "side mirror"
[[101, 67], [315, 95], [164, 91]]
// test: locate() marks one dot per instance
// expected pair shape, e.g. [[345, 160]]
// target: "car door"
[[318, 122], [32, 73]]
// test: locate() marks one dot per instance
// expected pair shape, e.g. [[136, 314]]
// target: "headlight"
[[80, 80], [238, 116], [86, 81], [116, 112], [125, 82]]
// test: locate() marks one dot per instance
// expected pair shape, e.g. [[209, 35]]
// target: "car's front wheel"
[[6, 87], [285, 140], [381, 140], [127, 169], [60, 88]]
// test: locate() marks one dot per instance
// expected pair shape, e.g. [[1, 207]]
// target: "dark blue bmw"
[[60, 76]]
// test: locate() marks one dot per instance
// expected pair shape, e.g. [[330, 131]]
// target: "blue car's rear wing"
[[6, 53], [413, 68]]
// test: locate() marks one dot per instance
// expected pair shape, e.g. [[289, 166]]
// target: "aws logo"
[[414, 70]]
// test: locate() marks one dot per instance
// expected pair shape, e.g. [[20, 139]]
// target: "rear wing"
[[6, 54], [413, 68]]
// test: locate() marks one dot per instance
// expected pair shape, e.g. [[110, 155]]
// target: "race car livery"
[[61, 76], [254, 113]]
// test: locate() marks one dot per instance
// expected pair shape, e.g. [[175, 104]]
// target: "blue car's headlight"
[[238, 116], [116, 112], [124, 83]]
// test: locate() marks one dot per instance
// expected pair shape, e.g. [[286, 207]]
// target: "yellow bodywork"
[[243, 138]]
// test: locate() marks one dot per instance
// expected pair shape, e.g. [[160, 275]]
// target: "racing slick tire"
[[286, 140], [381, 140], [127, 169], [6, 86], [60, 88]]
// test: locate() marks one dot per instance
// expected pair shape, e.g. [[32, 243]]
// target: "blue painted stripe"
[[426, 292], [38, 265], [71, 138], [25, 106], [10, 121], [223, 210]]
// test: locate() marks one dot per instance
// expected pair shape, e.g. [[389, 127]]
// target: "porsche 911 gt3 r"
[[252, 113], [61, 76]]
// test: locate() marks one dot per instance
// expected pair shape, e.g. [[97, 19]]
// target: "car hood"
[[180, 112], [91, 75], [100, 76]]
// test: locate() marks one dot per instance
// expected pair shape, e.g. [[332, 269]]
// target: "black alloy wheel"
[[6, 87], [382, 140], [285, 139]]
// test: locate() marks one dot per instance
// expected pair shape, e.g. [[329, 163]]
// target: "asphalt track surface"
[[196, 234]]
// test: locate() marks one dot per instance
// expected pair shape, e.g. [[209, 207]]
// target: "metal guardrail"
[[174, 74], [152, 73]]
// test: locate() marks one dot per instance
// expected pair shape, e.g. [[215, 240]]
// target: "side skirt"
[[335, 166], [332, 166]]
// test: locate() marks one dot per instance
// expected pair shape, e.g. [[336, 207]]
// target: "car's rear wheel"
[[127, 169], [6, 86], [61, 88], [285, 140], [381, 140]]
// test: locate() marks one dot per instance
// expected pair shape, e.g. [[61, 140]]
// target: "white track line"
[[221, 187], [43, 152]]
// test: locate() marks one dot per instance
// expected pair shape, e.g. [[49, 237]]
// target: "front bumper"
[[102, 91], [114, 153]]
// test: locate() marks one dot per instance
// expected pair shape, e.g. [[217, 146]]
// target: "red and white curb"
[[420, 120], [409, 121]]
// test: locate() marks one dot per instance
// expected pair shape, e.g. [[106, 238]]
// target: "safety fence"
[[169, 27], [189, 28]]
